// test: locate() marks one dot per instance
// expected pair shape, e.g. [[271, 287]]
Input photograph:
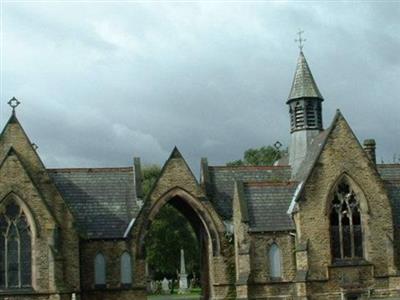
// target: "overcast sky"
[[101, 83]]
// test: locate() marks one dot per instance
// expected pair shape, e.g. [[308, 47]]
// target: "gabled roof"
[[221, 180], [267, 204], [303, 85], [102, 200]]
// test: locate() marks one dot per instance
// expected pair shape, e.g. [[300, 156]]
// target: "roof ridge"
[[391, 165], [269, 183], [89, 170], [250, 167]]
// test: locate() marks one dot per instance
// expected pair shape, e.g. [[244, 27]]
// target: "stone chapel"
[[321, 223]]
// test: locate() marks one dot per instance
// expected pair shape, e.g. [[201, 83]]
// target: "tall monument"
[[183, 282]]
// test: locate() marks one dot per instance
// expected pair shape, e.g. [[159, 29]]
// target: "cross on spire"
[[14, 102], [300, 40]]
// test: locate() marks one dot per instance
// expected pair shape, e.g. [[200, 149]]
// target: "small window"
[[126, 269], [100, 270], [275, 261]]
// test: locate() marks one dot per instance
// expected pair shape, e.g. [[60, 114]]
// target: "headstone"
[[73, 296], [183, 281], [165, 286]]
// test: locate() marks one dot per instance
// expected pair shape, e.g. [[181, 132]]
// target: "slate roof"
[[303, 85], [311, 156], [393, 188], [390, 173], [267, 204], [221, 182], [102, 200]]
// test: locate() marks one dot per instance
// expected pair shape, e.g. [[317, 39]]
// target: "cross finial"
[[14, 102], [300, 40]]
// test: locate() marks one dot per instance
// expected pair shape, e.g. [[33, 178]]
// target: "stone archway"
[[202, 222]]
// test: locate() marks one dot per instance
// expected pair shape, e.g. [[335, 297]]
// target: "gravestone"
[[183, 281], [165, 286]]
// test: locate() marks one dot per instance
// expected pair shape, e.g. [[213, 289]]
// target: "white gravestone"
[[183, 281], [165, 286]]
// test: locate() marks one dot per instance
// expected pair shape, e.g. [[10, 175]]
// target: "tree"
[[169, 233], [263, 156], [150, 174]]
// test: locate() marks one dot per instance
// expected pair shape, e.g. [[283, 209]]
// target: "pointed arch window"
[[126, 269], [100, 270], [275, 258], [345, 223], [15, 248]]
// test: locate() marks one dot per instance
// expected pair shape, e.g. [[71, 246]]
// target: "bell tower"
[[305, 109]]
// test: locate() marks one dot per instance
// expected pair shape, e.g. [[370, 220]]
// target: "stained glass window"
[[15, 248]]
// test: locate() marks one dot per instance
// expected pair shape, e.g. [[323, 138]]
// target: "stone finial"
[[370, 149]]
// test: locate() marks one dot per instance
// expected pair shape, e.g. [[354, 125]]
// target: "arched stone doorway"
[[202, 223]]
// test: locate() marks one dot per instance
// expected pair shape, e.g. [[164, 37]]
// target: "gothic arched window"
[[126, 269], [99, 270], [274, 254], [345, 222], [15, 248]]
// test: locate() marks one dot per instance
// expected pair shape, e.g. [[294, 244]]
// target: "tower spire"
[[303, 85], [305, 109]]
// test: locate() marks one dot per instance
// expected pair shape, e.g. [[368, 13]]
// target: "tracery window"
[[345, 221], [15, 248], [99, 270], [275, 268], [126, 269]]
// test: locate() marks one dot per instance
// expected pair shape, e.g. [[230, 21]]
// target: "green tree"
[[263, 156], [150, 174], [169, 233]]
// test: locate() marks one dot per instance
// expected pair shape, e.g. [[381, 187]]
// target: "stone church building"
[[322, 223]]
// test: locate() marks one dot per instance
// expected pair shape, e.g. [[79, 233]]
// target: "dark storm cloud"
[[101, 83]]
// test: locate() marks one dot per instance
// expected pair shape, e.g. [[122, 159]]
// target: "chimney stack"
[[370, 147]]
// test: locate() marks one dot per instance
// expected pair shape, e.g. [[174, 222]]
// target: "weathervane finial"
[[300, 40], [14, 102]]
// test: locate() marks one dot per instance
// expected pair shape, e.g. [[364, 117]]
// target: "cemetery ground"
[[193, 295], [174, 297]]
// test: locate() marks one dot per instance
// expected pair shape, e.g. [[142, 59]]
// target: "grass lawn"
[[194, 295]]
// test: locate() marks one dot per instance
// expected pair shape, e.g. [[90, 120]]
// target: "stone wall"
[[112, 251], [55, 251], [178, 186], [343, 156], [261, 284]]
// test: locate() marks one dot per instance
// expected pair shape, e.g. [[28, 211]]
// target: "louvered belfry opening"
[[15, 248], [345, 223], [305, 114]]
